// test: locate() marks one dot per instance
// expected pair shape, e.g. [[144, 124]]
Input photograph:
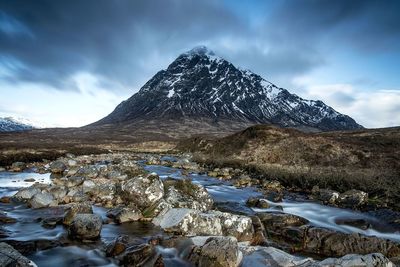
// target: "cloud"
[[115, 40], [363, 24]]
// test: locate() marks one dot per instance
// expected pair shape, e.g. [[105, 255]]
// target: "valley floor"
[[168, 210]]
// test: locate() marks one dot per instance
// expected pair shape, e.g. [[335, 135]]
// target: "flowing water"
[[226, 196]]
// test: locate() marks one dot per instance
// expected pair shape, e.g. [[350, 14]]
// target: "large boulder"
[[185, 194], [26, 194], [144, 191], [11, 257], [42, 200], [374, 259], [57, 167], [219, 251], [254, 256], [74, 209], [330, 243], [193, 222], [85, 226]]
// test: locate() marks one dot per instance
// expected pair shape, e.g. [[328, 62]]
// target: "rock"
[[42, 200], [71, 181], [353, 198], [275, 221], [58, 192], [75, 209], [18, 166], [88, 171], [144, 191], [89, 186], [5, 219], [125, 214], [137, 255], [51, 222], [374, 259], [72, 162], [2, 169], [85, 226], [5, 199], [160, 206], [11, 257], [193, 222], [217, 251], [283, 226], [327, 196], [254, 256], [29, 180], [334, 244], [185, 194], [57, 167], [243, 181], [358, 223], [257, 202], [26, 194], [272, 186], [118, 246]]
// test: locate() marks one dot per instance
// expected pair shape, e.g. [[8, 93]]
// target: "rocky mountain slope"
[[9, 124], [199, 85]]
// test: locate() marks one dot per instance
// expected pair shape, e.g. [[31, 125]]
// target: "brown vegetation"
[[367, 160]]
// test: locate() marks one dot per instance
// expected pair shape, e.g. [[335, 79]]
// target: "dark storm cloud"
[[119, 40], [366, 24], [124, 43]]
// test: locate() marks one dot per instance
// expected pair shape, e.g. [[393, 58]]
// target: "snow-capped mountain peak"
[[200, 84], [10, 124]]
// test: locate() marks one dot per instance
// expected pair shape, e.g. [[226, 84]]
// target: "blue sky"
[[69, 63]]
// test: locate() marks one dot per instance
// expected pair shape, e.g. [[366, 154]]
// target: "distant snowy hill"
[[10, 124], [200, 84]]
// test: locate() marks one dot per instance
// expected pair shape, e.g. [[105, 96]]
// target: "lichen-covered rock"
[[18, 166], [327, 196], [254, 256], [57, 166], [58, 192], [193, 222], [42, 200], [219, 251], [11, 257], [75, 209], [374, 259], [144, 191], [185, 194], [85, 226], [353, 198], [26, 194], [125, 214], [88, 171]]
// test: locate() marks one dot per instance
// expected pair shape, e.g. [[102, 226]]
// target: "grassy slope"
[[367, 159]]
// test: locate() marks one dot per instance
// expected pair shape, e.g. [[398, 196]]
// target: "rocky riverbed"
[[123, 209]]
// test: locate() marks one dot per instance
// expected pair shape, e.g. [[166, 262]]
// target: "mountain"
[[201, 86], [10, 124]]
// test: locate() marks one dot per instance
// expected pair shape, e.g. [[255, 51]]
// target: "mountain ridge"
[[200, 84], [10, 124]]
